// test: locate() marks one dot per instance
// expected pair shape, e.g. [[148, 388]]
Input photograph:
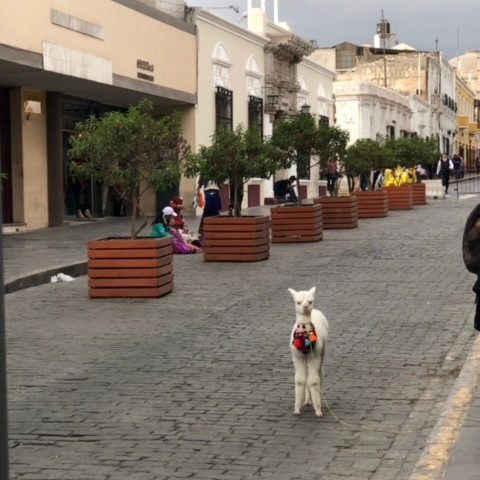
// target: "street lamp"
[[305, 108], [272, 100]]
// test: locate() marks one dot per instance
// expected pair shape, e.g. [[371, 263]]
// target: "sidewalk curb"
[[433, 462], [39, 277]]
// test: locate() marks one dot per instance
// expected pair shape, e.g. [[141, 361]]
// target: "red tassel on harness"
[[304, 339]]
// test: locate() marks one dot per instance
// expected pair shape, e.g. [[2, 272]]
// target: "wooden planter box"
[[400, 198], [372, 204], [297, 223], [121, 267], [236, 239], [339, 212], [419, 193]]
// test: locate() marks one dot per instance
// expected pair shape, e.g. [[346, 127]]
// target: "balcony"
[[472, 127], [462, 121]]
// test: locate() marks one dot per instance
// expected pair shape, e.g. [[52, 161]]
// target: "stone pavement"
[[199, 384]]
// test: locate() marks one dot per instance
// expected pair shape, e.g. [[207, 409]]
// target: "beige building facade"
[[231, 73], [64, 60], [467, 67], [466, 133]]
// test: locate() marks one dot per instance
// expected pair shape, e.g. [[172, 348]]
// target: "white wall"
[[365, 110]]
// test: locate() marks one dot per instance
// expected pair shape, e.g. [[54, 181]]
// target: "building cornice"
[[222, 23], [364, 90], [157, 15]]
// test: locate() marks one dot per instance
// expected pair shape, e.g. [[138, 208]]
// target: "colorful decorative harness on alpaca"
[[304, 339]]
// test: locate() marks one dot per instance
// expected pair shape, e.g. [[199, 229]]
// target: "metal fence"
[[465, 182]]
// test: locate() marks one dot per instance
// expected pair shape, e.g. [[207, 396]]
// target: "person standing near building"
[[332, 174], [213, 205], [457, 161], [444, 169]]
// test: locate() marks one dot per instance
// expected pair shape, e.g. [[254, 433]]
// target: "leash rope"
[[358, 427], [313, 352], [373, 429]]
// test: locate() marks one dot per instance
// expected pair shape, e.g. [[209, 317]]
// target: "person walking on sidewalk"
[[444, 169]]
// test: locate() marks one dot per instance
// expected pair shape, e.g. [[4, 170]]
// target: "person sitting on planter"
[[421, 173], [284, 189], [213, 204], [161, 228]]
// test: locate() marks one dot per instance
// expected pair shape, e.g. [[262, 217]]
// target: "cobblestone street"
[[199, 384]]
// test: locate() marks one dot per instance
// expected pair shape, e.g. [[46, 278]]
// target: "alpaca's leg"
[[313, 384], [308, 398], [300, 384]]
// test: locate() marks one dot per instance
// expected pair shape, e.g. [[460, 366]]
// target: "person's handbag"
[[201, 199]]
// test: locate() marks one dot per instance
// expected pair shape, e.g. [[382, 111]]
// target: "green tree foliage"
[[332, 140], [237, 156], [301, 136], [363, 156], [131, 151], [411, 151], [297, 137]]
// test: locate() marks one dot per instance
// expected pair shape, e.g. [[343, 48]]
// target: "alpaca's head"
[[303, 300]]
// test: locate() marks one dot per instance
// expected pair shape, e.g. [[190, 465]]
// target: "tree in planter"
[[301, 136], [237, 156], [363, 157], [332, 140], [411, 151], [297, 137], [131, 151]]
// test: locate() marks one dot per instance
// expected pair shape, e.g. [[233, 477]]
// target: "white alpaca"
[[308, 356]]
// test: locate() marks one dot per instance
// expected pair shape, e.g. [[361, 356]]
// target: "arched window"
[[254, 78], [322, 104], [302, 97], [221, 67], [254, 93]]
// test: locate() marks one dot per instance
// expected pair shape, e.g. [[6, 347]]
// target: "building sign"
[[147, 66], [33, 102]]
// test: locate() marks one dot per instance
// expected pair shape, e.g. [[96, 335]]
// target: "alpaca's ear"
[[292, 292], [312, 291]]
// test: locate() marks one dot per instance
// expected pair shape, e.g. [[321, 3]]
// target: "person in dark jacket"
[[444, 169], [284, 189], [213, 204]]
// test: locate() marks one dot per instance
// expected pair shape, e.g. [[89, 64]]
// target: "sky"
[[445, 25]]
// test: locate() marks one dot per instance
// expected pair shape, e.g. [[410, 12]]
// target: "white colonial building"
[[369, 111]]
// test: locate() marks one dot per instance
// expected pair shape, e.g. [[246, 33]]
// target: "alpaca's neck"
[[303, 317]]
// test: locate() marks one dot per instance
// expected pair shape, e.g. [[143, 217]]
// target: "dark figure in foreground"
[[471, 255]]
